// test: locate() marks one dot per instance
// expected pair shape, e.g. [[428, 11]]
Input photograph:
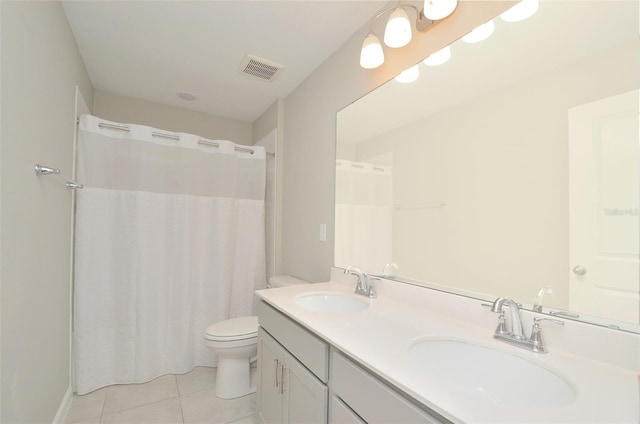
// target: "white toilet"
[[235, 343]]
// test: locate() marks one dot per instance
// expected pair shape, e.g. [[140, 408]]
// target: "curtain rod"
[[176, 137]]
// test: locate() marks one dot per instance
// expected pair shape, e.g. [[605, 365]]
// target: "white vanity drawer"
[[312, 352], [370, 398]]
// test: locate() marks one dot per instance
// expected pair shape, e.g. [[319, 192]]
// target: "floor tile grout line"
[[141, 405], [104, 402], [179, 395], [135, 384], [179, 399], [243, 418]]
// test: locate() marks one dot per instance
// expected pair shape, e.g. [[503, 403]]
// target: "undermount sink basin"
[[331, 302], [505, 380]]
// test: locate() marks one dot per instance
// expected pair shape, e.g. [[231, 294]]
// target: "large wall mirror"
[[510, 170]]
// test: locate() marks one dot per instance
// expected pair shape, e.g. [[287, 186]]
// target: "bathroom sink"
[[331, 302], [505, 380]]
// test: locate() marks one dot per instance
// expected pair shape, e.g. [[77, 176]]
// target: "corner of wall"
[[64, 407]]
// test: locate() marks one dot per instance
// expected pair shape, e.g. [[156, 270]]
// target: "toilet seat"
[[234, 329]]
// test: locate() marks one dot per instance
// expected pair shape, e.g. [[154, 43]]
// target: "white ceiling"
[[152, 50]]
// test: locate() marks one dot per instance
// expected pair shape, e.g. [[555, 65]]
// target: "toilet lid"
[[233, 329]]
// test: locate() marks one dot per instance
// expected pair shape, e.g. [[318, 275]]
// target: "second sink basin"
[[331, 302], [505, 380]]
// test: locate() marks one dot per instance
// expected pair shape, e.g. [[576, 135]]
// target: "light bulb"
[[480, 33], [371, 54], [439, 9], [439, 57], [408, 75], [521, 11], [398, 30]]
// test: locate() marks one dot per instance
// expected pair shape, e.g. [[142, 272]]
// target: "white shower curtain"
[[169, 239], [364, 195]]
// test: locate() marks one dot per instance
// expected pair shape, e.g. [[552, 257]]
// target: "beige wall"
[[41, 67], [266, 123], [114, 107], [310, 135]]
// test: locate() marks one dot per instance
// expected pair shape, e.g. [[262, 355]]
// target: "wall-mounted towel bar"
[[45, 170]]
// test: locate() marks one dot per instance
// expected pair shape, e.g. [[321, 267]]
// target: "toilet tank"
[[284, 281]]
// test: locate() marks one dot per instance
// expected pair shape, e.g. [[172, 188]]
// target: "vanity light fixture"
[[521, 11], [371, 54], [480, 33], [439, 57], [398, 30], [397, 33], [408, 75], [439, 9]]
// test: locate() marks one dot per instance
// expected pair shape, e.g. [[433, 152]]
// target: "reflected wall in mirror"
[[511, 167]]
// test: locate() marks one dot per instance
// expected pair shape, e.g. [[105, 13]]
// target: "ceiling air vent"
[[260, 68]]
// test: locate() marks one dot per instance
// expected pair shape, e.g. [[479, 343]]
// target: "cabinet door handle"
[[282, 378], [276, 364]]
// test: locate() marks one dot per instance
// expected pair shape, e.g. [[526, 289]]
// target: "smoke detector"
[[260, 68]]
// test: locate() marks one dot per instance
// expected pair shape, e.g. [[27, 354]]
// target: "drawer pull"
[[275, 372], [282, 378]]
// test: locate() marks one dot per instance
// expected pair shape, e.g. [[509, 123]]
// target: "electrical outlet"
[[323, 232]]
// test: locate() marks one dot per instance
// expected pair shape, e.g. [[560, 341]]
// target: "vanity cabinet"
[[290, 380], [297, 370], [360, 397]]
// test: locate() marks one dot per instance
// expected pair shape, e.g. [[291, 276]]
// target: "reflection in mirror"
[[510, 170]]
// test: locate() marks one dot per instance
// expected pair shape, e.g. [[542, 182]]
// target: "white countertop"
[[379, 338]]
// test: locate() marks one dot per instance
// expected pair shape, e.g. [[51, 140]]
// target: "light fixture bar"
[[439, 9], [372, 54]]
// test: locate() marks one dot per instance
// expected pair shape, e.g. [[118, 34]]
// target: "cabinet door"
[[306, 397], [270, 398], [342, 414]]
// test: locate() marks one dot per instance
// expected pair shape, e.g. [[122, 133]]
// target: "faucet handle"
[[372, 288], [537, 345], [536, 321], [502, 326]]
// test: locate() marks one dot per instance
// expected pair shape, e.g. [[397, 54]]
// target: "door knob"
[[579, 270]]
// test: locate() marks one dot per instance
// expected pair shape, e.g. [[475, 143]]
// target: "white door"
[[604, 201]]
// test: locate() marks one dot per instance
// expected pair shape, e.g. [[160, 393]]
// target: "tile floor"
[[185, 399]]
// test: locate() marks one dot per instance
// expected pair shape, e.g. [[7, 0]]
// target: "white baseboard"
[[64, 407]]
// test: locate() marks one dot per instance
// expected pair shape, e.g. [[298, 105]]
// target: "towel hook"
[[47, 170]]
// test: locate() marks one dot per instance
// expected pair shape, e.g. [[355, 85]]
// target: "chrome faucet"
[[364, 285], [516, 335], [517, 332]]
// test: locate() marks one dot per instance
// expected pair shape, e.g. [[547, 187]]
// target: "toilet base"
[[233, 379]]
